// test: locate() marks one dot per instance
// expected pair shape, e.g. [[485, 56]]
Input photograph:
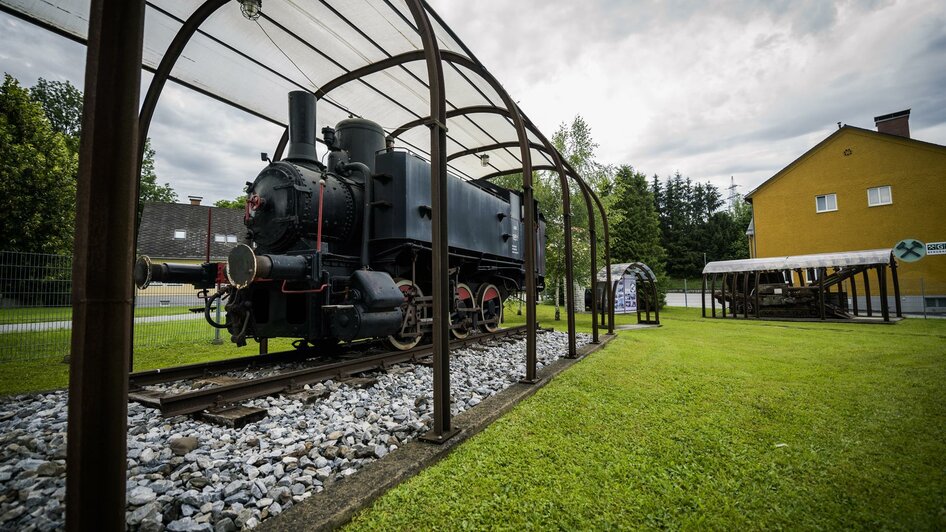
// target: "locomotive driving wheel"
[[414, 312], [491, 307], [461, 318]]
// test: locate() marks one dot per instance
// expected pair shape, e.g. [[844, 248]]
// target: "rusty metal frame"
[[102, 281]]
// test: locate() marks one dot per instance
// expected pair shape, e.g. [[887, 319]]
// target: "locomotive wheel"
[[465, 302], [491, 307], [412, 317]]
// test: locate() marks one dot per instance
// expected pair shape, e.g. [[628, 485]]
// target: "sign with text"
[[625, 295], [936, 248]]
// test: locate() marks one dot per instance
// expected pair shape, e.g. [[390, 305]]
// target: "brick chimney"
[[894, 124], [195, 200]]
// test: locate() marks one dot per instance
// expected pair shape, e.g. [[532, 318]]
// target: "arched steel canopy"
[[618, 270], [351, 54]]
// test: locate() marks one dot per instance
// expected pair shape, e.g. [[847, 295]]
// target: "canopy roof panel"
[[619, 270], [304, 44], [870, 257]]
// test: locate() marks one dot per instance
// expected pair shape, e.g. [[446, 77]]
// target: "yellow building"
[[860, 189]]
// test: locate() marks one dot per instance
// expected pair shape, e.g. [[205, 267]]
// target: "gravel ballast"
[[188, 475]]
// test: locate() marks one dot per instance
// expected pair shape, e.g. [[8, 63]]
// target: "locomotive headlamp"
[[251, 8], [484, 159]]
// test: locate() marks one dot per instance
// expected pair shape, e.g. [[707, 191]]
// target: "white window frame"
[[218, 237], [880, 198], [180, 234], [231, 239], [826, 209]]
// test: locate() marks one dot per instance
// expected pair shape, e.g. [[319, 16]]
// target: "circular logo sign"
[[909, 250]]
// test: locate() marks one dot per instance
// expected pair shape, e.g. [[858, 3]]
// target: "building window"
[[220, 238], [879, 196], [935, 302], [231, 239], [180, 234], [826, 203]]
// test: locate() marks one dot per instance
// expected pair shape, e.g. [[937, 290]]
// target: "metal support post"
[[854, 294], [896, 287], [440, 265], [593, 237], [102, 290], [882, 282], [686, 304], [745, 295], [758, 308], [821, 274], [713, 295], [703, 295], [722, 287], [870, 304]]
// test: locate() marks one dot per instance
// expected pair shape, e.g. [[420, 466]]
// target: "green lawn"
[[709, 424]]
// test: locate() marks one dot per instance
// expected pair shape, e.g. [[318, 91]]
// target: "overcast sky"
[[710, 89]]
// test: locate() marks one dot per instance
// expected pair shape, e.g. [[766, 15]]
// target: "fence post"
[[686, 304]]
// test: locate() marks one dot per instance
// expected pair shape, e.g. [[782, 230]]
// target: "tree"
[[37, 176], [149, 189], [62, 104], [238, 203], [575, 142], [635, 230]]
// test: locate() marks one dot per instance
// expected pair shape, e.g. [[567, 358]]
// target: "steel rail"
[[190, 371], [199, 400]]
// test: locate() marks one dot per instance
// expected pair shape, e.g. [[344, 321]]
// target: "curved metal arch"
[[607, 254], [161, 74], [496, 146], [453, 113]]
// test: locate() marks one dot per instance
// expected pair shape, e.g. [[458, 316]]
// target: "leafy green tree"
[[575, 142], [37, 176], [62, 104], [238, 203], [149, 189]]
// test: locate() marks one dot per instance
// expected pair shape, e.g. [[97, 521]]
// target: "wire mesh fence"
[[36, 310]]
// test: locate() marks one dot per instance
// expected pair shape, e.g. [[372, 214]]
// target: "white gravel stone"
[[186, 475]]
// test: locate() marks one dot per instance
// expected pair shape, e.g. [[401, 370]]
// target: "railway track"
[[223, 397]]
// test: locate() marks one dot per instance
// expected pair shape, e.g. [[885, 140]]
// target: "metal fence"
[[36, 311]]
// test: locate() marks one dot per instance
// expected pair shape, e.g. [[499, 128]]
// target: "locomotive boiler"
[[340, 250]]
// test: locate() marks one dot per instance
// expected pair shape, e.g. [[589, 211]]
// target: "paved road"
[[52, 325], [690, 300]]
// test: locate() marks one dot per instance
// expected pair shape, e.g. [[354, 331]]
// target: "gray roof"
[[617, 270], [868, 257], [159, 221]]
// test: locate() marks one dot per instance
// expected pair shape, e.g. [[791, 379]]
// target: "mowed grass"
[[708, 424]]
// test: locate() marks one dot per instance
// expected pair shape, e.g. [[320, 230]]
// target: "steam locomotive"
[[341, 251]]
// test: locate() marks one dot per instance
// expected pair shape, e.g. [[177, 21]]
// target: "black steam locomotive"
[[341, 251]]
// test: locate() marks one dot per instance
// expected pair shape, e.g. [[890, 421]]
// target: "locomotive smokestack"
[[302, 127]]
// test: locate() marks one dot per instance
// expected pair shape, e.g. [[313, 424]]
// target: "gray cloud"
[[712, 89]]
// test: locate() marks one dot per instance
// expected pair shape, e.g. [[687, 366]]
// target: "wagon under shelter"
[[820, 286]]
